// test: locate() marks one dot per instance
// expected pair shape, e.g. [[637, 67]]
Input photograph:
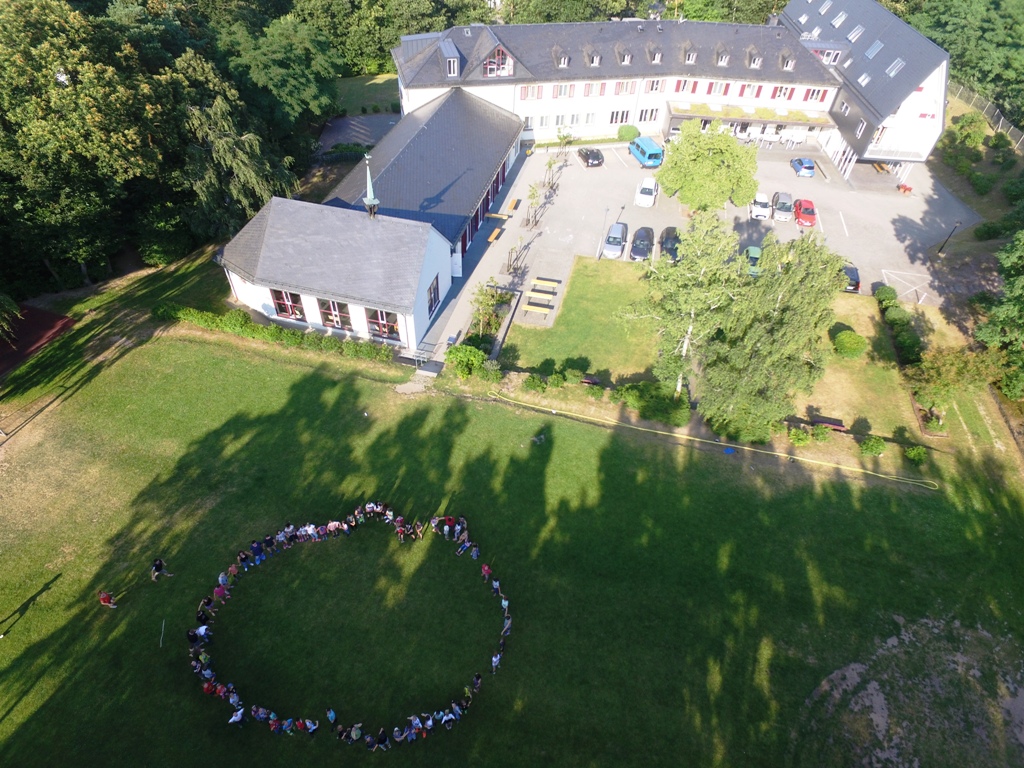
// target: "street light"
[[943, 246]]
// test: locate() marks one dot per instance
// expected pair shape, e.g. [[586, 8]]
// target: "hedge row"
[[238, 322], [904, 338]]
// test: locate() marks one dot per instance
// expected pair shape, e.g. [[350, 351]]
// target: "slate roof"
[[331, 253], [537, 48], [437, 163], [883, 94]]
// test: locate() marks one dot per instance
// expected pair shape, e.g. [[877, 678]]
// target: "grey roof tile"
[[437, 163], [331, 253]]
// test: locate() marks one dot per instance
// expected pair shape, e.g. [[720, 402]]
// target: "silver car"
[[615, 242], [782, 205]]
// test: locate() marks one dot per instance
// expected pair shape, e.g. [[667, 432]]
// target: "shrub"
[[556, 380], [291, 337], [962, 165], [908, 346], [236, 321], [464, 360], [873, 445], [916, 454], [344, 112], [934, 424], [534, 383], [850, 344], [596, 392], [983, 183], [573, 375], [653, 400], [363, 109], [1013, 190], [376, 109], [167, 311], [1008, 163], [971, 129], [313, 341], [990, 230], [897, 317], [396, 107], [821, 433], [886, 296], [1000, 140], [331, 344], [490, 371], [483, 343], [799, 437], [628, 132]]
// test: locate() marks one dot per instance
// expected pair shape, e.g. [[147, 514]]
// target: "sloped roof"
[[533, 46], [437, 163], [882, 93], [331, 253]]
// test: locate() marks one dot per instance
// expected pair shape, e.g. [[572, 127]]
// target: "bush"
[[873, 445], [556, 380], [331, 344], [1007, 163], [464, 360], [799, 437], [1000, 140], [652, 400], [916, 454], [962, 165], [1013, 190], [313, 341], [490, 371], [344, 112], [897, 317], [934, 424], [820, 433], [908, 346], [971, 129], [595, 392], [291, 337], [483, 343], [983, 183], [886, 296], [850, 344], [363, 110], [628, 132], [534, 383], [573, 376], [990, 230], [167, 311], [376, 109], [396, 107]]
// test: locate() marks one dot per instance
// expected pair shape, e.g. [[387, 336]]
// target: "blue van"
[[646, 151]]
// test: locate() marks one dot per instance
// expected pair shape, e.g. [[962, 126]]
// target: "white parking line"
[[821, 222], [620, 159], [844, 224]]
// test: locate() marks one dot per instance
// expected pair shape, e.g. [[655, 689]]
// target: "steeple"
[[371, 202]]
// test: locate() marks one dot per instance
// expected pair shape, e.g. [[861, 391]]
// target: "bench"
[[836, 425], [495, 235], [536, 308], [502, 216], [546, 282], [540, 295], [513, 204], [880, 167]]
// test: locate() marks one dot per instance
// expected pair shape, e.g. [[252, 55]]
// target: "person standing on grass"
[[507, 629], [485, 571], [475, 553], [206, 604], [311, 727], [159, 569], [269, 546], [257, 552], [496, 586], [495, 662], [106, 599], [477, 681], [243, 559]]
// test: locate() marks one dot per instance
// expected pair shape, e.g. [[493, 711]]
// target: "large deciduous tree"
[[706, 168], [9, 313], [1004, 326]]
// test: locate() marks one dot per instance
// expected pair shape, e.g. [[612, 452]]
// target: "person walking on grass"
[[159, 568], [485, 571], [495, 662]]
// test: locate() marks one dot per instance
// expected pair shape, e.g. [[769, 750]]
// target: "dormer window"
[[839, 19], [627, 58], [656, 57], [453, 67], [723, 59], [563, 61], [595, 59], [855, 33], [451, 57], [895, 67], [755, 62], [788, 64], [499, 64], [691, 57]]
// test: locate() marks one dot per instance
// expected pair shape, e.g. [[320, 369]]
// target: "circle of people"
[[416, 726]]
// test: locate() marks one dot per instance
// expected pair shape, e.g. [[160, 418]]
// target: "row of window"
[[628, 87], [618, 117]]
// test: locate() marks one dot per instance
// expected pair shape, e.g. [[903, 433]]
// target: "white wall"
[[436, 262], [912, 131]]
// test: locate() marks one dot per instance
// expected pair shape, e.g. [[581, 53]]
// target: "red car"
[[803, 211]]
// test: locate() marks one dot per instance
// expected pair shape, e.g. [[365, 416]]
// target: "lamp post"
[[943, 246]]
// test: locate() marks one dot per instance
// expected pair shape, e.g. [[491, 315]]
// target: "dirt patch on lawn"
[[934, 693]]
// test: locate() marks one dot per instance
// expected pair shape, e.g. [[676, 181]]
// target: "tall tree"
[[1004, 326], [706, 168], [9, 313]]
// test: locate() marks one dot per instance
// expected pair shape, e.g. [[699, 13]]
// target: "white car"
[[761, 208], [646, 193]]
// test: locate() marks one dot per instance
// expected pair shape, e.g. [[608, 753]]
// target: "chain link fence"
[[991, 112]]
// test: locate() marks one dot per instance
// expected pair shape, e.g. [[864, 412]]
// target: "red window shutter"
[[775, 91], [602, 89], [694, 88], [663, 82], [679, 84], [792, 93], [522, 92], [618, 88], [710, 86], [758, 93], [725, 91], [807, 94], [540, 91], [586, 89], [554, 91], [647, 86], [743, 89], [572, 89], [824, 94], [632, 87]]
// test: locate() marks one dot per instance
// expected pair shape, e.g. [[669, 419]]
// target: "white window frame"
[[895, 67], [789, 64], [563, 62], [860, 128], [691, 57], [755, 62], [864, 79], [871, 52], [831, 57], [855, 33], [723, 59], [589, 118], [803, 19], [595, 60], [717, 88], [543, 121], [453, 67], [656, 58], [561, 90], [627, 59], [844, 108], [824, 7], [839, 19]]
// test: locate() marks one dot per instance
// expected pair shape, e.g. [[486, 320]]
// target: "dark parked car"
[[643, 244], [590, 157], [669, 243], [852, 279], [753, 257]]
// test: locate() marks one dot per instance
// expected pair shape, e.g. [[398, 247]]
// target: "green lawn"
[[586, 329], [687, 600], [354, 93]]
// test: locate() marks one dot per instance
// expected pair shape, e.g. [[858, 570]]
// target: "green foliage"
[[9, 313], [945, 371], [556, 381], [490, 371], [872, 445], [375, 109], [897, 317], [573, 375], [490, 305], [821, 433], [652, 400], [983, 183], [395, 107], [628, 132], [799, 437], [850, 344], [707, 169], [970, 129], [595, 392], [934, 424], [886, 297], [1000, 140], [1013, 190], [534, 383], [908, 346], [990, 230], [464, 360], [916, 454]]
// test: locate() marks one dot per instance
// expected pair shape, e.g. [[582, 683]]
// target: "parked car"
[[761, 208], [782, 206], [590, 157], [753, 257], [805, 214], [668, 244], [646, 151], [643, 244], [852, 279], [646, 192], [615, 242], [803, 166]]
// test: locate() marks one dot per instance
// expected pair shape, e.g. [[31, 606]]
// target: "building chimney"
[[371, 202]]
